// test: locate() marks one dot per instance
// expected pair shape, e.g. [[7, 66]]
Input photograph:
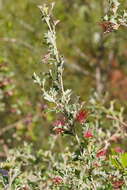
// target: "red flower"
[[57, 180], [81, 116], [88, 134], [117, 184], [58, 123], [101, 153], [58, 130], [118, 149]]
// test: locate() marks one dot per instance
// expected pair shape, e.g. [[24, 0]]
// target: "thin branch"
[[117, 119], [12, 126], [14, 41], [117, 132]]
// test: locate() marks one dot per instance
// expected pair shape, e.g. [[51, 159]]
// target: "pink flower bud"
[[88, 135], [57, 180], [58, 123], [101, 153]]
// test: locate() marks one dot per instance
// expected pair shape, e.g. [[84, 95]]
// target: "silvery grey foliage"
[[51, 83], [114, 17]]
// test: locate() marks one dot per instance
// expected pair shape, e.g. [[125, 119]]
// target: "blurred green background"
[[93, 62]]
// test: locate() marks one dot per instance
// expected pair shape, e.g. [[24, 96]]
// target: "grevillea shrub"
[[82, 152]]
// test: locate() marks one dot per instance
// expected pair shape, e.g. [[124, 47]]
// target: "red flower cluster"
[[58, 130], [58, 123], [88, 135], [57, 180], [81, 116], [101, 153], [58, 126]]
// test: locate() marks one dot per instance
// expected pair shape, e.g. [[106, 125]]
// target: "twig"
[[76, 67], [14, 40], [26, 25], [117, 133], [115, 118], [93, 184], [11, 126], [12, 178]]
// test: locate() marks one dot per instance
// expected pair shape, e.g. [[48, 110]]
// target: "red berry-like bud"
[[88, 135], [58, 130], [101, 153], [57, 180]]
